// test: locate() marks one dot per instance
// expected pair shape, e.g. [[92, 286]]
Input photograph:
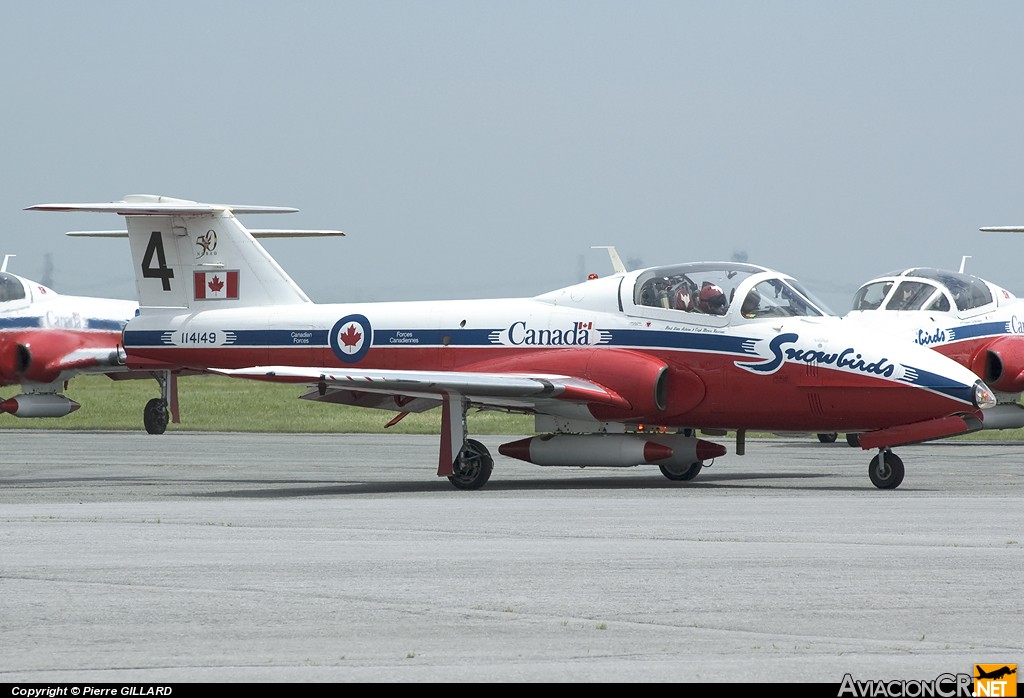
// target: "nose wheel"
[[886, 470]]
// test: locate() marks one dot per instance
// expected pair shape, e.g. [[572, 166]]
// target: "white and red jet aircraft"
[[619, 371], [47, 338]]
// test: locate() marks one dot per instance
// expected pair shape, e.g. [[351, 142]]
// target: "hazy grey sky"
[[479, 149]]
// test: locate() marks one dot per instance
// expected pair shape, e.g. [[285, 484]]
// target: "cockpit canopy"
[[11, 288], [725, 289], [925, 289]]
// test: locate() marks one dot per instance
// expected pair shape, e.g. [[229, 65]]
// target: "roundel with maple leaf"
[[351, 338]]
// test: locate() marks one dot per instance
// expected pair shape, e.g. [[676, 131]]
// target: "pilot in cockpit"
[[712, 299], [751, 304]]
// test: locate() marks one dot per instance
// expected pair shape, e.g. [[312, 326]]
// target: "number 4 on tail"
[[161, 271]]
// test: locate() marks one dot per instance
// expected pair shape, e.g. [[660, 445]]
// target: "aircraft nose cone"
[[984, 398]]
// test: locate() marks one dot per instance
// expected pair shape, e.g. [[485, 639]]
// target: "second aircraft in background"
[[975, 322], [48, 338]]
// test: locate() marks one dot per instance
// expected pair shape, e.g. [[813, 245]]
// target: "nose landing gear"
[[886, 470]]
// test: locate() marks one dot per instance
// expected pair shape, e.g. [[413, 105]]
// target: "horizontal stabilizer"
[[150, 205], [256, 233], [1003, 229]]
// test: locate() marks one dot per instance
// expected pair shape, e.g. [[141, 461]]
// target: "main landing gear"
[[830, 438], [886, 470], [156, 416], [682, 472], [158, 411], [472, 466]]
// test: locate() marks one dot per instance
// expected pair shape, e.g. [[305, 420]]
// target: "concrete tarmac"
[[207, 557]]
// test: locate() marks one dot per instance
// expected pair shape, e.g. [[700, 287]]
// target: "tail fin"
[[193, 255]]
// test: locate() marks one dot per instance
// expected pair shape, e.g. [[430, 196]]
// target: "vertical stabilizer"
[[197, 256]]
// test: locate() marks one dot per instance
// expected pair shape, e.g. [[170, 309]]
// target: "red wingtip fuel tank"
[[39, 405]]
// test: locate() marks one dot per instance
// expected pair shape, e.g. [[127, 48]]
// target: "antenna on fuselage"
[[963, 262], [6, 258], [617, 264]]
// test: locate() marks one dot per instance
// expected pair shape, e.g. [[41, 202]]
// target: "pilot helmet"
[[683, 299], [712, 299], [751, 303]]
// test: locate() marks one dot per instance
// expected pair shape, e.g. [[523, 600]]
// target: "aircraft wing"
[[478, 387]]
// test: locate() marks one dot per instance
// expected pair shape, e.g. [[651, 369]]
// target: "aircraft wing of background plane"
[[618, 371]]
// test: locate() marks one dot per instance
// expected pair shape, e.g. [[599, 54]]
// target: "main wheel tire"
[[886, 474], [853, 440], [679, 472], [155, 416], [472, 466], [828, 438]]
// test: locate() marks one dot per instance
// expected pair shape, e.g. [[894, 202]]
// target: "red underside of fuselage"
[[48, 347], [795, 398]]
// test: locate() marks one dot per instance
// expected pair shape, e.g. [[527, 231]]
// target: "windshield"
[[910, 295], [776, 298], [931, 289], [11, 288], [870, 296]]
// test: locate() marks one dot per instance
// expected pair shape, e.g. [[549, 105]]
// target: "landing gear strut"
[[471, 467], [158, 411], [886, 470]]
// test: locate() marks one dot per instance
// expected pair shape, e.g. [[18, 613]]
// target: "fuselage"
[[49, 337], [737, 370]]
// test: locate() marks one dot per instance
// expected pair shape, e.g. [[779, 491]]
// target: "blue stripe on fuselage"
[[941, 384], [983, 329], [35, 322], [652, 339]]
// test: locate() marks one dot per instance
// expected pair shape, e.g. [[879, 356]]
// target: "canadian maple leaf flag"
[[216, 285]]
